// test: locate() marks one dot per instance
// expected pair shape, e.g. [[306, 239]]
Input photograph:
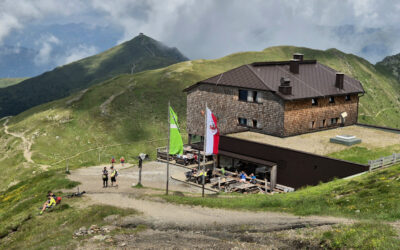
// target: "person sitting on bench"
[[243, 177], [253, 179]]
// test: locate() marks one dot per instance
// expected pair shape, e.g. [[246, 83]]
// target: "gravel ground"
[[171, 226], [318, 142]]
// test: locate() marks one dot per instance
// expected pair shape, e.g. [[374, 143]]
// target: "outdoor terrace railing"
[[384, 161]]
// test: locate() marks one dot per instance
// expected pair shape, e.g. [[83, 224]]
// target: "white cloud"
[[211, 29], [45, 57], [78, 53]]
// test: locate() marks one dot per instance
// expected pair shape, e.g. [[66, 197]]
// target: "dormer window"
[[331, 99], [314, 101]]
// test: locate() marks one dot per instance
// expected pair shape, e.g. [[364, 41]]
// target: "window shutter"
[[250, 122], [259, 97], [250, 96]]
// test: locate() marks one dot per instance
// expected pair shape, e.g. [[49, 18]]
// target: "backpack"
[[58, 200], [116, 173]]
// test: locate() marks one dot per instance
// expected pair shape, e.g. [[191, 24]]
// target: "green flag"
[[175, 141]]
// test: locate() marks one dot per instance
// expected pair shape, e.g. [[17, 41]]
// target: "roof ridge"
[[259, 78]]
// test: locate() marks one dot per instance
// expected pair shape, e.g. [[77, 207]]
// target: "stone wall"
[[300, 114], [224, 102]]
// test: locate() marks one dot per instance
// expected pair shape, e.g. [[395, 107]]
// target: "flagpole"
[[204, 148], [169, 132]]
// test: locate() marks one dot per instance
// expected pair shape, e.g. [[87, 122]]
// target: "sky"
[[200, 29]]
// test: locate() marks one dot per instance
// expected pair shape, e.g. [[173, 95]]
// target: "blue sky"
[[200, 29]]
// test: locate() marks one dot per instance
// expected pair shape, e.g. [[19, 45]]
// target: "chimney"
[[298, 56], [294, 66], [285, 87], [339, 81]]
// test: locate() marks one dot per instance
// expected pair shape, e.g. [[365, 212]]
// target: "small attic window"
[[243, 95], [348, 98], [331, 99]]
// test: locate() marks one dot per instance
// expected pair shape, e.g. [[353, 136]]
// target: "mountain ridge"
[[140, 53]]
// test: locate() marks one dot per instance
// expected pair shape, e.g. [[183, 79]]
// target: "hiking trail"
[[27, 144]]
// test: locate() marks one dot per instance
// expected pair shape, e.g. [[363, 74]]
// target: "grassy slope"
[[5, 82], [138, 115], [140, 53], [137, 119]]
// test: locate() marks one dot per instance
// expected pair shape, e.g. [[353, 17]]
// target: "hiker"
[[112, 161], [200, 177], [243, 177], [105, 177], [253, 179], [51, 202], [122, 161], [114, 174]]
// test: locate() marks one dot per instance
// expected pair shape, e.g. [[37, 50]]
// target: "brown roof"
[[314, 79]]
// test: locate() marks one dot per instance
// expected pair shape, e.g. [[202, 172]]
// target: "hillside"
[[138, 54], [5, 82], [391, 65], [127, 115]]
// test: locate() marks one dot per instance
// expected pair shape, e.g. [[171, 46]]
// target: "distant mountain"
[[138, 54], [390, 64], [5, 82], [18, 62]]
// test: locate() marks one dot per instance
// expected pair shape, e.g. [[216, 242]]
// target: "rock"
[[357, 211], [100, 237], [122, 244], [111, 218]]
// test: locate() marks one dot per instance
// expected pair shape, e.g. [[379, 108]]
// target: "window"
[[331, 99], [254, 123], [334, 121], [314, 101], [312, 124], [243, 95], [242, 121], [255, 96], [348, 98]]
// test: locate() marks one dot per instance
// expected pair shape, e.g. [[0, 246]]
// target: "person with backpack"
[[114, 175], [105, 177]]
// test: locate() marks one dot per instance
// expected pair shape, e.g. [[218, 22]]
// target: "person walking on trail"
[[105, 177], [112, 161], [122, 161], [114, 174], [51, 202]]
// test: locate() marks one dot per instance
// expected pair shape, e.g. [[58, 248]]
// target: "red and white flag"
[[212, 134]]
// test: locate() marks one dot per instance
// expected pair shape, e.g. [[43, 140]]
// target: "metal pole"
[[204, 148], [67, 168], [140, 171], [169, 130]]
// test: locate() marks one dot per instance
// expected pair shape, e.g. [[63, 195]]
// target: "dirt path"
[[26, 143], [172, 226], [164, 214]]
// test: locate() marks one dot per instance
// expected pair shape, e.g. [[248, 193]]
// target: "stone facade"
[[224, 102], [273, 115], [302, 117]]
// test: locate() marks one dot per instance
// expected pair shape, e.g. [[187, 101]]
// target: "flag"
[[212, 134], [175, 139]]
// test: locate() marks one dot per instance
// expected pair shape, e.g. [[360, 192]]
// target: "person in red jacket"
[[112, 161], [122, 161]]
